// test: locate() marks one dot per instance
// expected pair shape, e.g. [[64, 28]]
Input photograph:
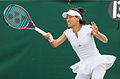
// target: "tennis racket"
[[18, 18]]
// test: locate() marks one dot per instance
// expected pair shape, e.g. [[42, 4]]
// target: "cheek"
[[73, 21], [66, 20]]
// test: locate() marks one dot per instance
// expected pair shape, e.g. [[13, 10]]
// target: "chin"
[[69, 26]]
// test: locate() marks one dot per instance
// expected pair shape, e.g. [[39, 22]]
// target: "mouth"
[[69, 23]]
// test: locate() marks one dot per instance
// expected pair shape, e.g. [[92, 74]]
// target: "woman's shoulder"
[[87, 26], [68, 30]]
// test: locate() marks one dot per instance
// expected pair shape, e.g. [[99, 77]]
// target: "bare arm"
[[57, 42], [97, 34]]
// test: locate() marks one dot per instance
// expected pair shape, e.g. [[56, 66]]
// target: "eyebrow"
[[69, 16]]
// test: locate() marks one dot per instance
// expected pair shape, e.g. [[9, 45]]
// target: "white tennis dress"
[[87, 52]]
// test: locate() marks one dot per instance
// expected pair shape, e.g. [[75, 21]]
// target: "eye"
[[70, 17]]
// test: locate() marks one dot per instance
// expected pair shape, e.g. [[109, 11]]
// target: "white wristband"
[[51, 38]]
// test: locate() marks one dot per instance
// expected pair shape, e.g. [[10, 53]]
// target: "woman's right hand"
[[47, 36]]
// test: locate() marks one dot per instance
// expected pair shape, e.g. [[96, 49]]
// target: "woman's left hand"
[[97, 34], [94, 27]]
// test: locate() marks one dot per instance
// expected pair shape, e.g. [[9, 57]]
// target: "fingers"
[[94, 25], [47, 36]]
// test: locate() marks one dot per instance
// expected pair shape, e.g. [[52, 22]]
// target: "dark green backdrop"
[[26, 54]]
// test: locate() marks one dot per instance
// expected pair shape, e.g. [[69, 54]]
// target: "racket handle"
[[40, 31]]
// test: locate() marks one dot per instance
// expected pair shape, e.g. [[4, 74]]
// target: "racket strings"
[[9, 15], [16, 17], [19, 19]]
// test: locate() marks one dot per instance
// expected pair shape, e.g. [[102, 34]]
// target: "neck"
[[77, 28]]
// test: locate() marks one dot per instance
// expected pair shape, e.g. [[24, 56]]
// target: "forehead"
[[69, 16]]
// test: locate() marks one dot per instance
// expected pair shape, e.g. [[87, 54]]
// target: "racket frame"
[[30, 20]]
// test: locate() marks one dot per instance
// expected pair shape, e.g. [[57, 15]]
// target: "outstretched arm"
[[57, 42], [97, 34]]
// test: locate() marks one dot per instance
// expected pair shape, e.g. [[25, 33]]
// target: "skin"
[[73, 23]]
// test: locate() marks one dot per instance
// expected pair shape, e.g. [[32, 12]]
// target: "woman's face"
[[72, 21]]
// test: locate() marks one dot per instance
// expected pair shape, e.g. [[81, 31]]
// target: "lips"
[[69, 24]]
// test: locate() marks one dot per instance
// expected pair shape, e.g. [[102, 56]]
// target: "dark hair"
[[80, 10]]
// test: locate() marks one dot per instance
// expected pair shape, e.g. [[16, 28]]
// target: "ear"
[[78, 18]]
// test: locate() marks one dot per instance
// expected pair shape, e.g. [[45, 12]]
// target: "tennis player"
[[81, 36]]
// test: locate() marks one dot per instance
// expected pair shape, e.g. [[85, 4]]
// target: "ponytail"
[[80, 10], [82, 22]]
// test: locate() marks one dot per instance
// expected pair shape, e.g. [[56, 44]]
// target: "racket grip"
[[40, 31]]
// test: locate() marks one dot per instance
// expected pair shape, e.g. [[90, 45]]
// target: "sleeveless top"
[[84, 45]]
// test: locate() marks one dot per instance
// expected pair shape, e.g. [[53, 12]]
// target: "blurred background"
[[26, 54]]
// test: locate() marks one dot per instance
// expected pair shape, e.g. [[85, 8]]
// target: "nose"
[[68, 20]]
